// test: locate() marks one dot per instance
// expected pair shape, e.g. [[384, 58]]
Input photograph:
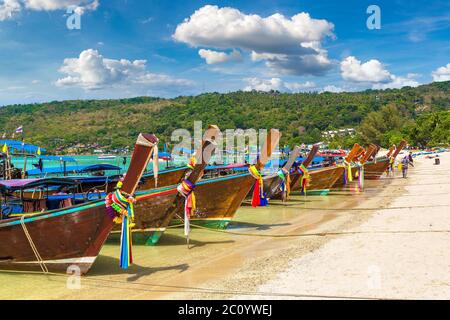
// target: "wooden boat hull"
[[374, 170], [321, 180], [340, 181], [272, 187], [63, 238], [217, 202], [165, 178]]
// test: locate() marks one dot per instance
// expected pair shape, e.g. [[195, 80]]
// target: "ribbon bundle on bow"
[[186, 189], [192, 163], [305, 177], [285, 183], [121, 205], [258, 198], [360, 176], [348, 177]]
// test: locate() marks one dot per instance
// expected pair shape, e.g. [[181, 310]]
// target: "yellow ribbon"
[[349, 171]]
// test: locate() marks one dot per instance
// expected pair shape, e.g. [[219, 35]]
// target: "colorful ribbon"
[[259, 199], [122, 207], [155, 158], [305, 177], [348, 171], [192, 163], [360, 175], [186, 189], [285, 183]]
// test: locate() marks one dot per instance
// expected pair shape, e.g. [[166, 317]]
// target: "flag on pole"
[[19, 129]]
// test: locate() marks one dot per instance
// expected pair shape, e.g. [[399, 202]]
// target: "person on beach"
[[411, 160], [405, 163]]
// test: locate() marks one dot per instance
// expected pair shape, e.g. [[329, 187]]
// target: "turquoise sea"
[[85, 160]]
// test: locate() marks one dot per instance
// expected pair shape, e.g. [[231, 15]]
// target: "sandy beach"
[[390, 241], [400, 252]]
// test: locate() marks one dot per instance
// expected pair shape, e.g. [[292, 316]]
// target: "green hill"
[[301, 117]]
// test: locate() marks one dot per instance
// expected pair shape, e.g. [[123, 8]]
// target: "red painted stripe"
[[156, 194]]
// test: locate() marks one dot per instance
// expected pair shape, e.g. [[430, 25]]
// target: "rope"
[[318, 234], [33, 246]]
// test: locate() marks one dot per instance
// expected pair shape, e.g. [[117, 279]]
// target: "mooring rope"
[[33, 246], [317, 234]]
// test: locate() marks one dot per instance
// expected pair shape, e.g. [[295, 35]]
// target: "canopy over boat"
[[183, 150], [18, 146], [58, 158], [21, 184], [74, 169]]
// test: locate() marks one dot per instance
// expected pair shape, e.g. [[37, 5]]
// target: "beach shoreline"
[[267, 253]]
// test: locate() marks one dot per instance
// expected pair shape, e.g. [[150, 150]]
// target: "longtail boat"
[[318, 181], [217, 200], [375, 169], [297, 172], [278, 184], [157, 207], [350, 164], [54, 240]]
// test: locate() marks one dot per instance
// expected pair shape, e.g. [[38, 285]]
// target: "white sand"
[[410, 260]]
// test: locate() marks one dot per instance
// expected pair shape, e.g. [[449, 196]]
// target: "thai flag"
[[19, 129]]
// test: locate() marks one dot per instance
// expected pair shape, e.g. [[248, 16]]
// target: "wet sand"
[[275, 251]]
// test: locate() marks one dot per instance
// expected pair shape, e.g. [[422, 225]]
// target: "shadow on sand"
[[176, 240], [260, 227], [106, 265]]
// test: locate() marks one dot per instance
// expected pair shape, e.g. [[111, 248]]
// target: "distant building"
[[339, 133]]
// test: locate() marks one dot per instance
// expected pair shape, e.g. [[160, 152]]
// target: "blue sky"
[[129, 48]]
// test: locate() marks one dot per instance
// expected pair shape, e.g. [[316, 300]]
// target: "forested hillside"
[[380, 116]]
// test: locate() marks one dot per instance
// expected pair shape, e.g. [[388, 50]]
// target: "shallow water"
[[171, 267], [80, 161]]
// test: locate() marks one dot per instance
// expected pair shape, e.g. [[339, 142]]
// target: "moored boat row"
[[61, 228]]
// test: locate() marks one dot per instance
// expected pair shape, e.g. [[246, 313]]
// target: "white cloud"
[[442, 73], [50, 5], [297, 87], [288, 45], [214, 57], [332, 88], [10, 7], [276, 84], [155, 79], [398, 82], [92, 71], [371, 71], [263, 84]]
